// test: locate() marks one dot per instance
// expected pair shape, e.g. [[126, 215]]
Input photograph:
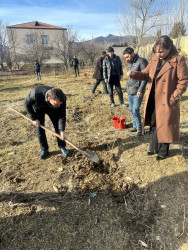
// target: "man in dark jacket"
[[135, 88], [75, 64], [51, 101], [113, 73], [37, 70], [98, 74]]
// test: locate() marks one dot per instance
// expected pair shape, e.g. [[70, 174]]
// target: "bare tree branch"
[[137, 16]]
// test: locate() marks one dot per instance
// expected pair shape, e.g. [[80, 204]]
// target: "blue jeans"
[[134, 108]]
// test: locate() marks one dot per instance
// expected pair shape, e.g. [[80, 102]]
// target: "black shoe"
[[43, 154], [132, 130], [123, 105], [139, 133], [159, 158], [150, 153], [64, 151]]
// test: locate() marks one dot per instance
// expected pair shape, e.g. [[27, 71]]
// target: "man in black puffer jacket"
[[135, 88], [113, 73], [51, 101]]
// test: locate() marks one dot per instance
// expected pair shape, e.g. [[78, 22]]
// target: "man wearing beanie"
[[98, 74], [113, 73]]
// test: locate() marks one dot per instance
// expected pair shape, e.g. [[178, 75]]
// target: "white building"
[[37, 40]]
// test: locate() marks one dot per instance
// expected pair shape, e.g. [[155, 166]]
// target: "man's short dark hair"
[[128, 50], [56, 94]]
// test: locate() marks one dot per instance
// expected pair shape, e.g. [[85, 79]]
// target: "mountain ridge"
[[116, 40]]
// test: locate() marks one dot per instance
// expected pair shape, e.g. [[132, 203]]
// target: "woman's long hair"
[[166, 43]]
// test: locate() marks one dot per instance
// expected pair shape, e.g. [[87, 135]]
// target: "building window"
[[44, 40], [29, 39]]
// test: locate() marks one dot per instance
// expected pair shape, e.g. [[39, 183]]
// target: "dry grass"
[[137, 200]]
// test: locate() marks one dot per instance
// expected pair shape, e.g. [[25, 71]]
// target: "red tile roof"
[[36, 25]]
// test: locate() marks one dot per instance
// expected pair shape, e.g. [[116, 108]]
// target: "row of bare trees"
[[141, 18], [23, 52], [65, 47], [3, 44], [136, 18]]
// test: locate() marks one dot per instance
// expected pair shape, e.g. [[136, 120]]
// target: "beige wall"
[[119, 51], [181, 43], [17, 40]]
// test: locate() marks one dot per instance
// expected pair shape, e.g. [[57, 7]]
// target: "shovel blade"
[[91, 156]]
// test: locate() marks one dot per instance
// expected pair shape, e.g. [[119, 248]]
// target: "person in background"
[[167, 76], [98, 74], [51, 101], [75, 64], [135, 88], [112, 74], [37, 70]]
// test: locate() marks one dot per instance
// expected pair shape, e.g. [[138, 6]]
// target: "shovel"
[[88, 154]]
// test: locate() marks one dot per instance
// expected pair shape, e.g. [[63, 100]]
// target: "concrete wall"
[[119, 51], [181, 43]]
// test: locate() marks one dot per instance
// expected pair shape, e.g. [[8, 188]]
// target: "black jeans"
[[161, 149], [38, 75], [114, 81], [76, 70], [41, 132], [96, 85]]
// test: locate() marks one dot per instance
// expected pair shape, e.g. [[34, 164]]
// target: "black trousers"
[[114, 81], [161, 149], [76, 70], [96, 85], [41, 132]]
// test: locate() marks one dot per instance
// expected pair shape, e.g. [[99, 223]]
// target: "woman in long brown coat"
[[167, 76]]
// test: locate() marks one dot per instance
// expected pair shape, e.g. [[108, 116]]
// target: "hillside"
[[118, 40], [111, 39]]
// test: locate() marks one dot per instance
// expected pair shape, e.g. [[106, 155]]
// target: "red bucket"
[[119, 122]]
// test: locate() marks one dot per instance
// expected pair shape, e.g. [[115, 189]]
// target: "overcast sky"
[[91, 18]]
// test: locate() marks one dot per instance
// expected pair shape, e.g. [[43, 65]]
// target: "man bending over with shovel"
[[51, 101]]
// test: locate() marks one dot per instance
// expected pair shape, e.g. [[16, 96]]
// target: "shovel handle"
[[47, 129], [54, 133]]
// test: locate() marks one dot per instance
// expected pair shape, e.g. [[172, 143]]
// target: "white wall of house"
[[18, 45]]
